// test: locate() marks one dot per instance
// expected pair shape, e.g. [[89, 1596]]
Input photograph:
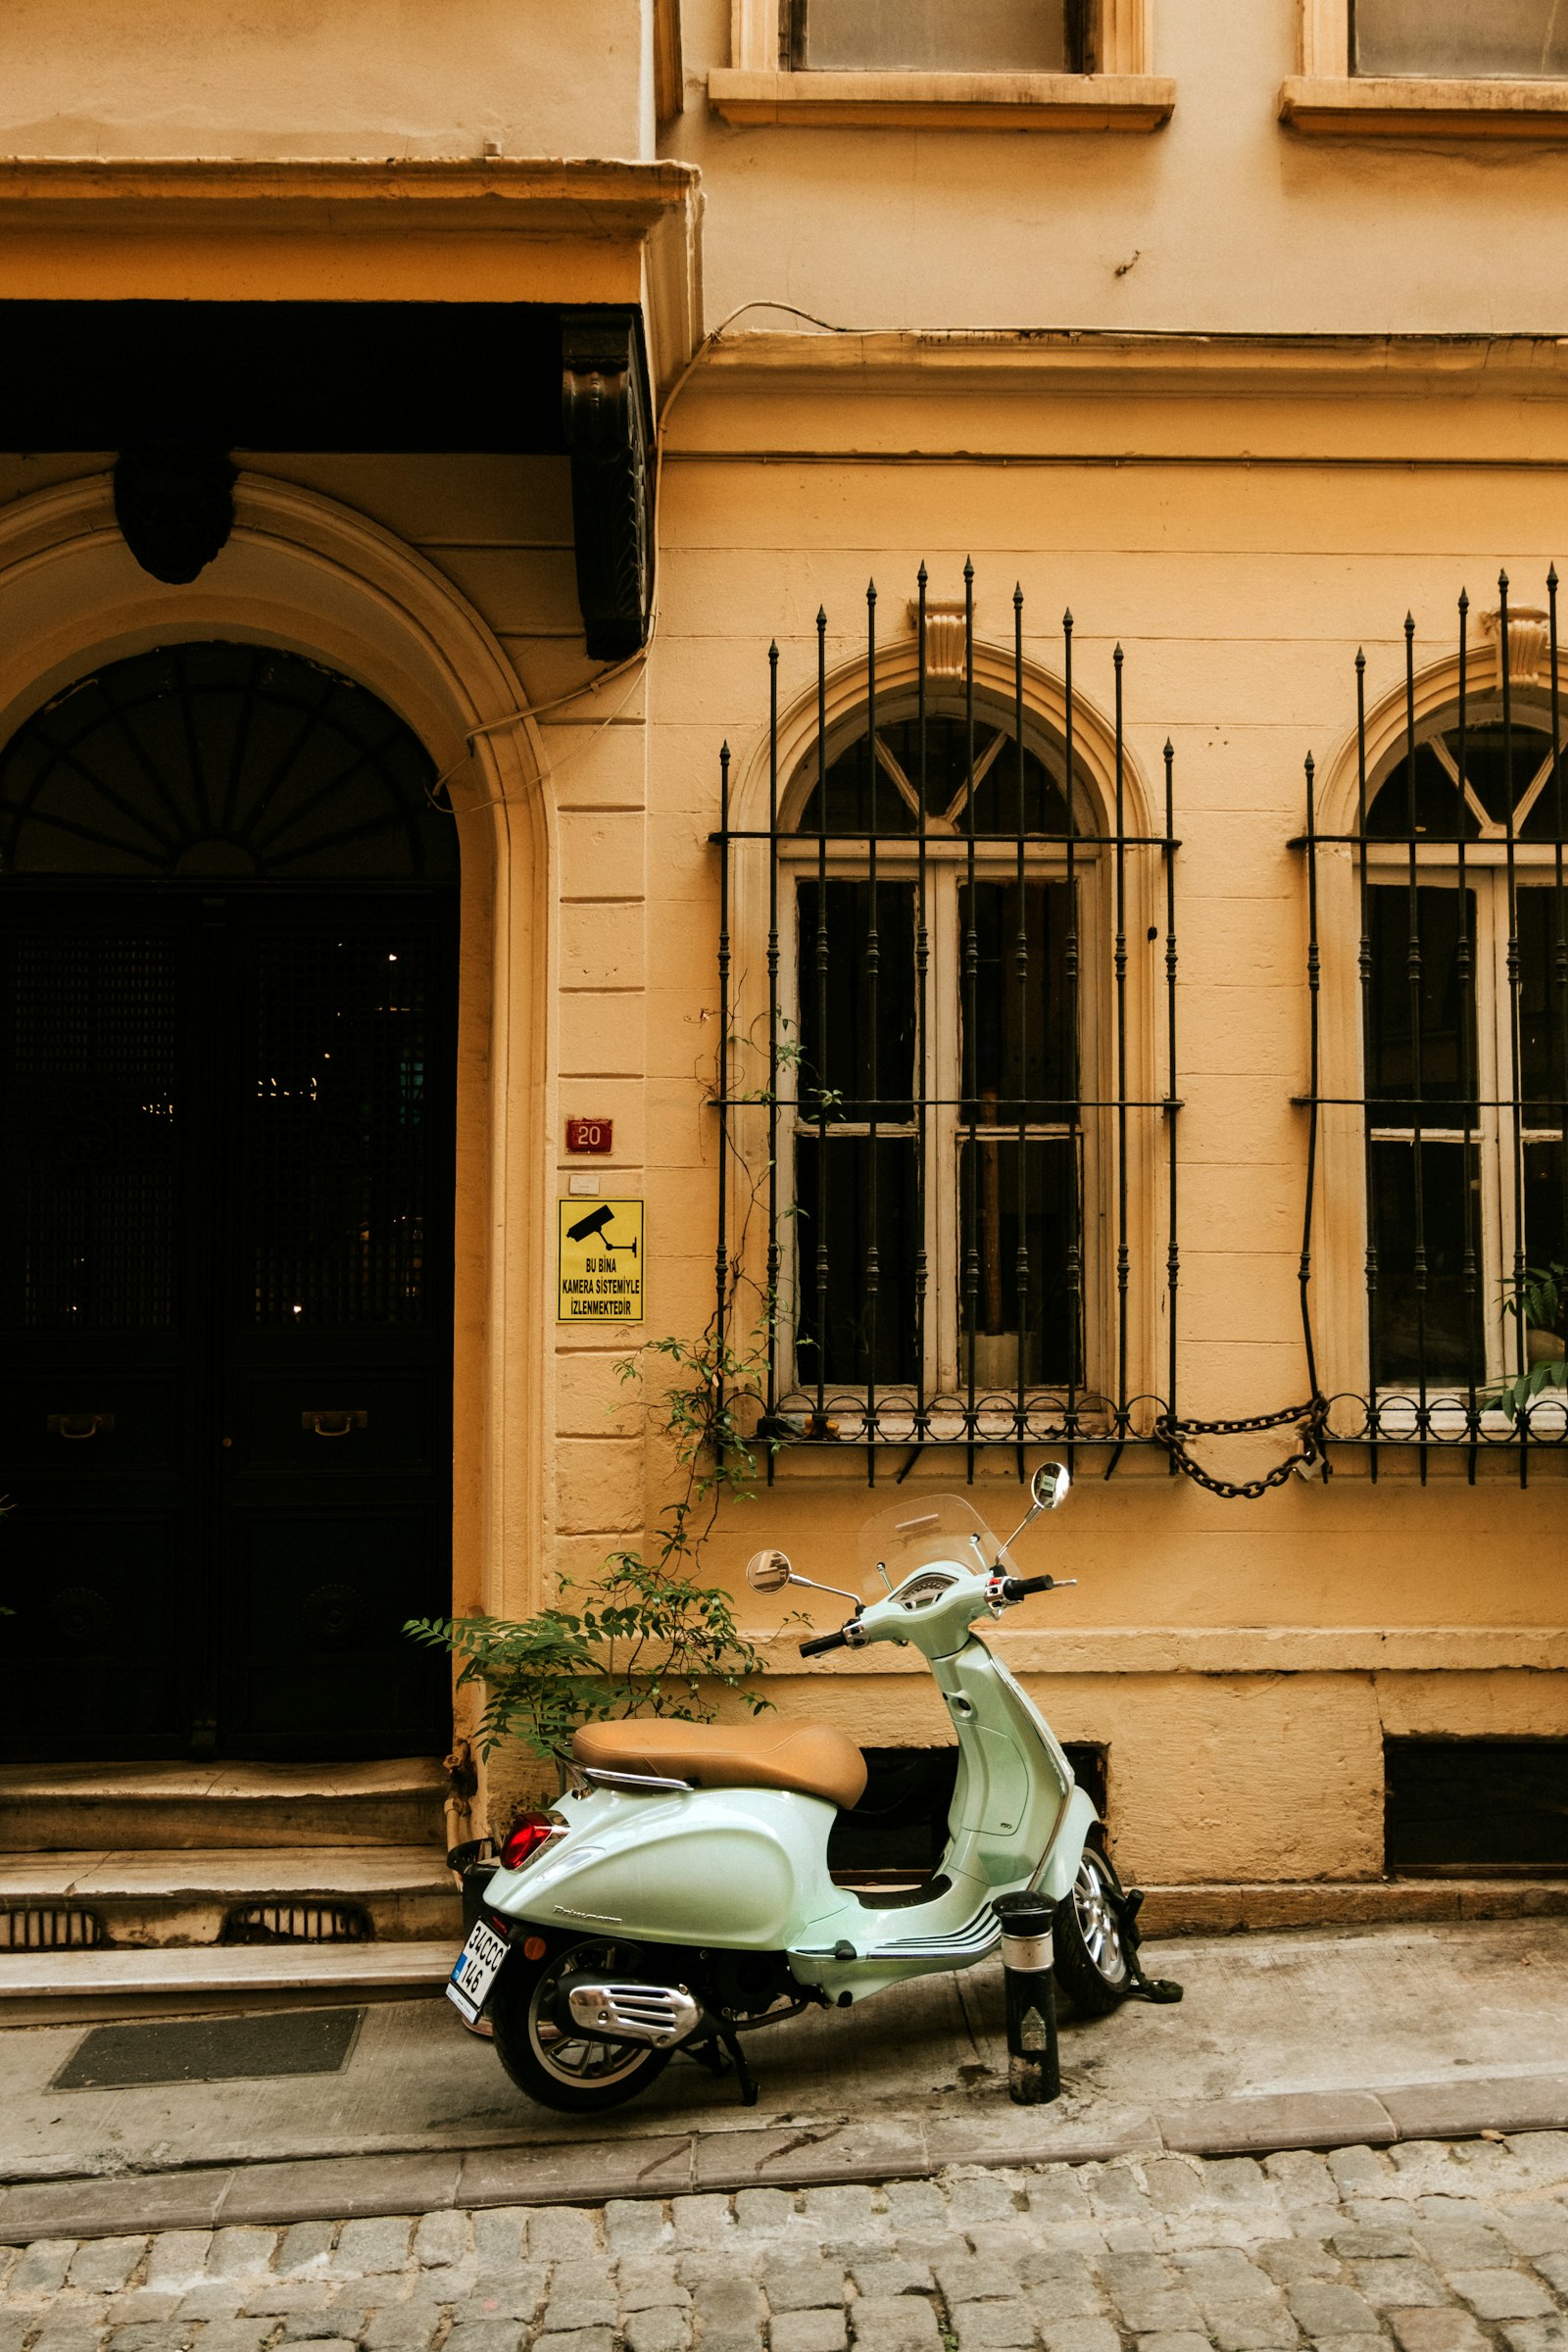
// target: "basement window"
[[1464, 1808]]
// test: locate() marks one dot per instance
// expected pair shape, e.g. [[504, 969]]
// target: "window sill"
[[1378, 108], [1399, 1420], [1136, 102]]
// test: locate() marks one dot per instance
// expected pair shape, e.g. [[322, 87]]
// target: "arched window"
[[1466, 1037], [947, 1093], [1442, 907], [935, 982]]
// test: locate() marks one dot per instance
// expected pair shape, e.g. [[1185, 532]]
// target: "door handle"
[[334, 1423], [78, 1425]]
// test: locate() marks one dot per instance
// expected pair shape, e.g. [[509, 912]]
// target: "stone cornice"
[[1114, 359], [515, 229], [500, 192]]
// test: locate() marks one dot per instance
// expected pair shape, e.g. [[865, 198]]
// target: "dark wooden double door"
[[225, 1321]]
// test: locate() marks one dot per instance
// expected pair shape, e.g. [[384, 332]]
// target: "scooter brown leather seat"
[[811, 1757]]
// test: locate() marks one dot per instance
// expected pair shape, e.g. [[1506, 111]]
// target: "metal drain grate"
[[211, 2049], [51, 1928], [295, 1922]]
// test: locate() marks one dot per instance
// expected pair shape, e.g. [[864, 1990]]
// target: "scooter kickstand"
[[743, 2073]]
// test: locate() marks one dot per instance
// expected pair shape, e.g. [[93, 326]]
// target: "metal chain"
[[1311, 1416]]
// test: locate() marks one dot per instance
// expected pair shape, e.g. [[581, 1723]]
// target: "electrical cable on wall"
[[636, 660]]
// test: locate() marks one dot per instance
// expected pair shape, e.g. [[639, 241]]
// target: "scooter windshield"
[[916, 1533]]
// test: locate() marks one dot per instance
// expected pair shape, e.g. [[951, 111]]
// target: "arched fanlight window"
[[220, 763], [1468, 777], [1008, 796]]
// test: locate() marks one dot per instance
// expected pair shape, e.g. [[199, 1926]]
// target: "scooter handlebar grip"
[[821, 1642], [1018, 1587]]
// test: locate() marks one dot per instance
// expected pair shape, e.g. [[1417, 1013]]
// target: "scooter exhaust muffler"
[[661, 2014]]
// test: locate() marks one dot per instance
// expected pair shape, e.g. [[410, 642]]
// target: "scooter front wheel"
[[1090, 1956], [553, 2065]]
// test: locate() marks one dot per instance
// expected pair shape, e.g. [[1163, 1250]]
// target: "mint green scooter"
[[679, 1896]]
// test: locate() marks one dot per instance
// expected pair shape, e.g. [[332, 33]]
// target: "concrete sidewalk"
[[1315, 2040]]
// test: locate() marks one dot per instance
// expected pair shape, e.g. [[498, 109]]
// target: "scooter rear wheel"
[[551, 2064], [1091, 1957]]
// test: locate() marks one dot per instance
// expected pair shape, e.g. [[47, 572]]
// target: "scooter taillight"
[[527, 1834]]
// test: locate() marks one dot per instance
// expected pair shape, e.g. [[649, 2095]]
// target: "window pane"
[[1545, 1213], [842, 1064], [1430, 1338], [835, 1215], [1447, 1014], [1022, 1062], [1543, 1078], [992, 1226], [931, 36], [1521, 38], [1437, 799], [1502, 766], [862, 801]]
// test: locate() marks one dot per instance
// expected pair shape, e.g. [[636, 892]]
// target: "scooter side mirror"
[[769, 1571], [1050, 1485]]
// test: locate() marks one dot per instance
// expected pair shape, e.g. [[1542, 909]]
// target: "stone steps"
[[134, 1890], [154, 1897], [116, 1808], [94, 1987]]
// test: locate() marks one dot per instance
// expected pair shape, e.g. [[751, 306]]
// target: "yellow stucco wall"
[[1238, 515]]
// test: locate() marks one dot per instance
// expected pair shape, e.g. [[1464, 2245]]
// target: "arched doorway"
[[228, 995]]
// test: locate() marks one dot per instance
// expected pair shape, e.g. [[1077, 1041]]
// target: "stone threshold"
[[763, 2155], [91, 1987]]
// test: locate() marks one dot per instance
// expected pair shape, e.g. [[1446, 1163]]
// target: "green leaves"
[[1539, 1302], [645, 1641], [647, 1637]]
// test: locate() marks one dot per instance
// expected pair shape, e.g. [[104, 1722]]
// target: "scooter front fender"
[[1058, 1865]]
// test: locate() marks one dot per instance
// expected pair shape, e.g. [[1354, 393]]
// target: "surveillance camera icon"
[[592, 1228]]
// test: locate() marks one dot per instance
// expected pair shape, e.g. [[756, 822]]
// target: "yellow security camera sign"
[[599, 1261]]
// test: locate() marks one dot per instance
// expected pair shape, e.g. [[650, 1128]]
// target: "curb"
[[686, 2163]]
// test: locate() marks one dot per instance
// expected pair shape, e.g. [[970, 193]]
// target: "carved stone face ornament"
[[175, 505]]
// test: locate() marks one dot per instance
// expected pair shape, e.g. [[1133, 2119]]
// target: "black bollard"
[[1034, 2069]]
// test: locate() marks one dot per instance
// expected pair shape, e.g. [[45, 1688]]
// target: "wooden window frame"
[[1324, 99], [758, 87], [939, 1075]]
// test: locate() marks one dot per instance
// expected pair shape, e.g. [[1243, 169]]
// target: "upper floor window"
[[948, 982], [1512, 40], [939, 1147], [1465, 1045], [1440, 1053], [931, 36]]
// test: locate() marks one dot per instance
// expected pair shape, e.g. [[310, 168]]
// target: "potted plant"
[[1540, 1301]]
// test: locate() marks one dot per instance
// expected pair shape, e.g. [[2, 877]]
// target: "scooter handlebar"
[[1020, 1588], [821, 1642]]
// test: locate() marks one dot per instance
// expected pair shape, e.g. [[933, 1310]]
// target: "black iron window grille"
[[1448, 902], [947, 1088]]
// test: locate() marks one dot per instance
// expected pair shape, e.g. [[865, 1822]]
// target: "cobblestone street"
[[1434, 2246]]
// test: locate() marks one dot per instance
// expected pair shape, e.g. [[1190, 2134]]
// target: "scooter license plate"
[[478, 1966]]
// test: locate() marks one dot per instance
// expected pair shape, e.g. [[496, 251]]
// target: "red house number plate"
[[590, 1135]]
